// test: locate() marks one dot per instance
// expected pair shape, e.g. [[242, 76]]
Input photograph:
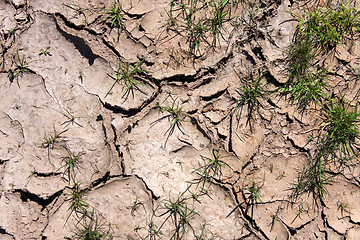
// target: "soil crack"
[[26, 196], [3, 231], [79, 43]]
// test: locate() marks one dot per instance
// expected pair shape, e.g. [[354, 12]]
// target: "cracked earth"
[[130, 167]]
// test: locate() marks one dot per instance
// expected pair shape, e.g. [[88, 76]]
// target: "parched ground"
[[139, 173]]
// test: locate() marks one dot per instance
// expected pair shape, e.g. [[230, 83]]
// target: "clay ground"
[[132, 167]]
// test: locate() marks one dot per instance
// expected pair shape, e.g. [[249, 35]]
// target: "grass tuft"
[[312, 179], [180, 213], [21, 66], [49, 141], [308, 90], [77, 204], [114, 15], [250, 94], [71, 164], [175, 115], [202, 21], [212, 169], [339, 130], [90, 227], [125, 74], [328, 27]]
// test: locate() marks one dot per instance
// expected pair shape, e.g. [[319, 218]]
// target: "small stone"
[[283, 123], [285, 130]]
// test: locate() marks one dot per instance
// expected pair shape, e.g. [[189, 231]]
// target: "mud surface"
[[134, 161]]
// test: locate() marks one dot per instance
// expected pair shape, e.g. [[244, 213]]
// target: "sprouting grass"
[[176, 57], [222, 13], [75, 6], [71, 164], [275, 217], [175, 115], [300, 55], [125, 74], [309, 90], [302, 209], [49, 141], [52, 139], [335, 147], [203, 234], [135, 207], [13, 31], [251, 195], [339, 130], [250, 94], [328, 27], [153, 231], [45, 52], [71, 119], [312, 179], [114, 14], [343, 207], [180, 213], [90, 227], [195, 27], [202, 21], [212, 169], [77, 204], [196, 36], [21, 66]]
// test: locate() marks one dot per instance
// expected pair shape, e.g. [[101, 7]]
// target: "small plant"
[[253, 189], [180, 213], [222, 10], [50, 141], [45, 52], [30, 176], [175, 115], [252, 194], [250, 94], [213, 167], [300, 55], [125, 74], [301, 210], [276, 216], [114, 14], [90, 227], [339, 130], [328, 27], [137, 203], [75, 6], [71, 119], [307, 90], [22, 66], [77, 203], [175, 57], [312, 179], [203, 234], [153, 231], [196, 35], [12, 31], [185, 17], [343, 207], [71, 164]]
